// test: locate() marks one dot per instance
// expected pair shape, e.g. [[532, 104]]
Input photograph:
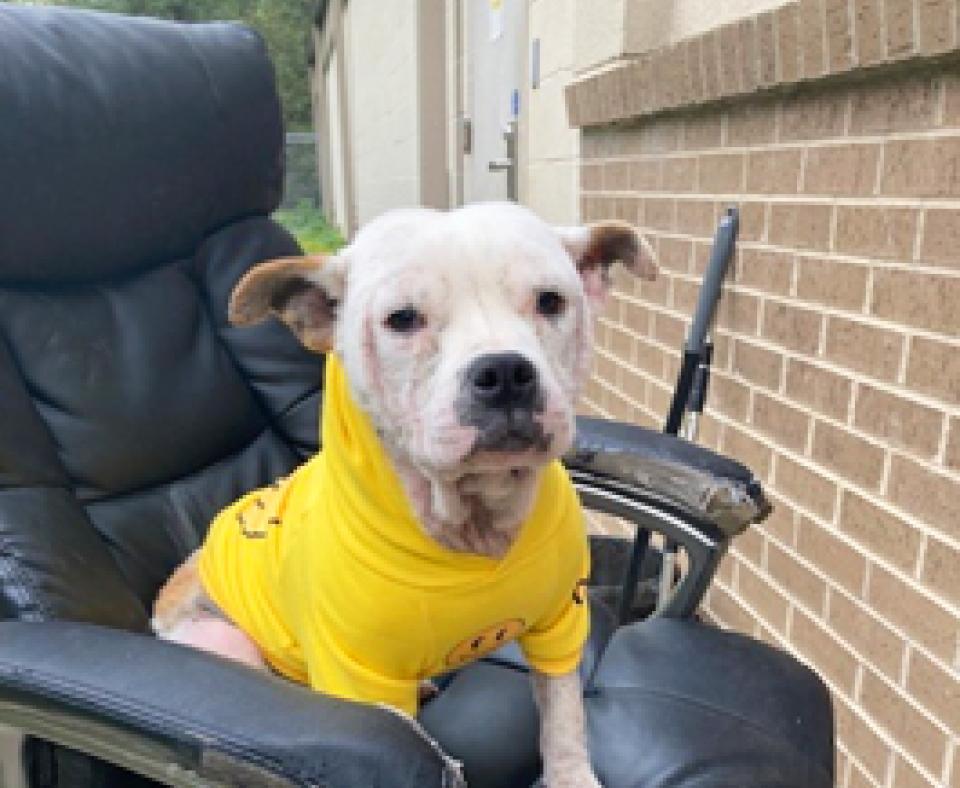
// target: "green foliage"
[[284, 24], [311, 230]]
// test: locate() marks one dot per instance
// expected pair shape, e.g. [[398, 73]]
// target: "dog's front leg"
[[566, 763]]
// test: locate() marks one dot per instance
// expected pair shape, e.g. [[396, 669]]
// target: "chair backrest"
[[139, 162]]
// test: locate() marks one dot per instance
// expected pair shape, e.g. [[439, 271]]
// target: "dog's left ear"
[[303, 292], [596, 247]]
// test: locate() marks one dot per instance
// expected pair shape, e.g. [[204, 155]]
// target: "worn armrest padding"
[[705, 484], [224, 720]]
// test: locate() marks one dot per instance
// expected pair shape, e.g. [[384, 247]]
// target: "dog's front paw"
[[579, 777]]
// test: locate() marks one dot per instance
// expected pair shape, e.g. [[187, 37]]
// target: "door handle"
[[499, 165]]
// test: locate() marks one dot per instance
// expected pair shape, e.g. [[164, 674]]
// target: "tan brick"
[[857, 735], [876, 232], [649, 359], [805, 486], [645, 175], [902, 104], [668, 329], [616, 176], [926, 494], [635, 317], [794, 578], [812, 22], [848, 455], [952, 458], [685, 295], [710, 59], [738, 311], [920, 618], [788, 48], [906, 776], [752, 124], [935, 26], [879, 645], [764, 597], [792, 327], [659, 214], [634, 385], [622, 344], [750, 76], [786, 425], [780, 522], [841, 170], [773, 171], [951, 99], [729, 611], [656, 292], [906, 725], [729, 396], [749, 545], [591, 176], [800, 226], [840, 562], [767, 48], [819, 115], [941, 570], [898, 16], [721, 173], [702, 132], [898, 421], [868, 31], [864, 348], [731, 55], [821, 389], [921, 168], [696, 217], [881, 533], [757, 365], [748, 450], [941, 237], [830, 282], [823, 651], [858, 777], [752, 221], [764, 270], [918, 299], [674, 254], [679, 174], [839, 36]]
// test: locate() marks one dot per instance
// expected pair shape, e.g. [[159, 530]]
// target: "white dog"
[[436, 523]]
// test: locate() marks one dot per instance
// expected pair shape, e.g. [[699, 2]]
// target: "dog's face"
[[465, 335]]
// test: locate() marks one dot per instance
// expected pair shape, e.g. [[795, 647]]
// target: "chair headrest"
[[125, 141]]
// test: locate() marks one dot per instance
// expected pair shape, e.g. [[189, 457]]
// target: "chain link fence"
[[302, 181]]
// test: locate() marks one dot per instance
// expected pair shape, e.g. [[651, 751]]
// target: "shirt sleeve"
[[554, 646]]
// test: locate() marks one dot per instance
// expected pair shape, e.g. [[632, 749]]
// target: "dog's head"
[[465, 335]]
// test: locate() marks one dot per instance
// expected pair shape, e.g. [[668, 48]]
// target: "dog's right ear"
[[303, 292]]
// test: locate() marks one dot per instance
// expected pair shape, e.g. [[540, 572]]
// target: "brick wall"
[[837, 364]]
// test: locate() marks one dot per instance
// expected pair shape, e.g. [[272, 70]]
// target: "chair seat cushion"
[[672, 703]]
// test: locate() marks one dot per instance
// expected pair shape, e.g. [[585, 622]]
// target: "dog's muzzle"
[[500, 397]]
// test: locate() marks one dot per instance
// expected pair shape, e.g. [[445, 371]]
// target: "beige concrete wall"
[[610, 29], [382, 78], [552, 149]]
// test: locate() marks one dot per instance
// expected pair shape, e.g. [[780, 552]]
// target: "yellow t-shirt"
[[333, 578]]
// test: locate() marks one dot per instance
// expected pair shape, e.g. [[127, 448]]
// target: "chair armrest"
[[705, 485], [182, 717]]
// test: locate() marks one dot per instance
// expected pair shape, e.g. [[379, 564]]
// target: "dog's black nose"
[[503, 380]]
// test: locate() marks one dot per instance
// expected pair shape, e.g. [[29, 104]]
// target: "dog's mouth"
[[511, 432]]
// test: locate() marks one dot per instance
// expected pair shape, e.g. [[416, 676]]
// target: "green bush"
[[312, 231]]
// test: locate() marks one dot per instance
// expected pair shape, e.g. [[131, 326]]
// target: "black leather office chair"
[[139, 163]]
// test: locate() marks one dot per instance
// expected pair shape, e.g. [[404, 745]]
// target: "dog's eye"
[[550, 303], [405, 321]]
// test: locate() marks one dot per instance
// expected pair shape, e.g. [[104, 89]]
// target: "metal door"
[[495, 69]]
